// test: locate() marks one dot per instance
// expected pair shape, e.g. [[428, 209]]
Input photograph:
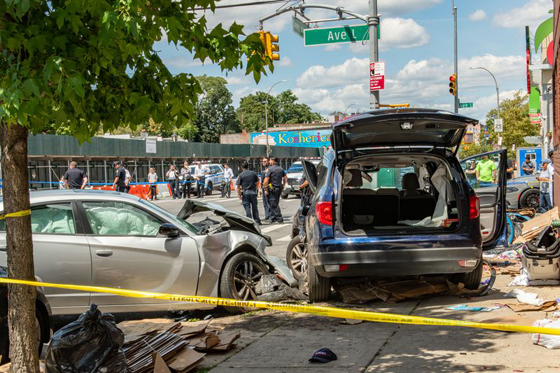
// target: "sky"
[[416, 44]]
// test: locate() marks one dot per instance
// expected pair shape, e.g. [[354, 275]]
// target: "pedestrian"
[[172, 179], [528, 167], [247, 190], [200, 172], [486, 172], [471, 172], [152, 180], [75, 178], [187, 180], [127, 181], [551, 168], [509, 169], [120, 177], [544, 177], [275, 180], [228, 177], [264, 168]]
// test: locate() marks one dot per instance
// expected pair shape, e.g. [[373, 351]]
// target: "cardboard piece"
[[188, 330], [159, 364], [186, 360], [226, 342], [389, 292], [205, 341], [533, 227], [549, 305], [136, 329]]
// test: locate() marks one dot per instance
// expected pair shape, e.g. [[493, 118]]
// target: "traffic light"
[[270, 43], [453, 85]]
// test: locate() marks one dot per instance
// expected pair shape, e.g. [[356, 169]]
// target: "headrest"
[[410, 182], [356, 180]]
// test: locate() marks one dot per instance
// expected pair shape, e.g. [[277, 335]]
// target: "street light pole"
[[455, 57], [266, 115], [373, 23], [348, 107], [495, 82]]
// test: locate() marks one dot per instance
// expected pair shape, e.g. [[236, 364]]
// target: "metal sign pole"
[[373, 23]]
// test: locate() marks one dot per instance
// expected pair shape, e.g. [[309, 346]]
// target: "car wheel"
[[319, 287], [209, 189], [296, 257], [40, 332], [530, 199], [239, 278], [472, 279], [284, 195]]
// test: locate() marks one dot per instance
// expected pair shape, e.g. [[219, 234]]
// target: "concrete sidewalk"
[[280, 342]]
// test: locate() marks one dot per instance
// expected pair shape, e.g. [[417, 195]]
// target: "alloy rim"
[[246, 276], [299, 259]]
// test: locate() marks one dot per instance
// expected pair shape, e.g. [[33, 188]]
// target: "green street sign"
[[464, 105], [298, 26], [334, 35]]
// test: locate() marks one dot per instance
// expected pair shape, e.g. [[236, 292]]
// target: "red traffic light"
[[452, 78]]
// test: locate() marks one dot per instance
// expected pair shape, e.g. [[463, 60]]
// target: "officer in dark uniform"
[[247, 190], [274, 181], [264, 168]]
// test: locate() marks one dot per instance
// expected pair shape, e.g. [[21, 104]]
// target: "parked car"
[[213, 179], [43, 322], [295, 179], [523, 192], [105, 238], [391, 199]]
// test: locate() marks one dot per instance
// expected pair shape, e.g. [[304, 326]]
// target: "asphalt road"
[[280, 233]]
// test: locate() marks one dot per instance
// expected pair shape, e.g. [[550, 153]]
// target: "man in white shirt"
[[200, 172], [152, 180], [228, 176], [545, 178]]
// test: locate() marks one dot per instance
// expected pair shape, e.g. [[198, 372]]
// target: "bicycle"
[[226, 188]]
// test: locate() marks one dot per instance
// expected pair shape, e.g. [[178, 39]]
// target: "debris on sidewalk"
[[546, 340], [530, 302], [533, 227], [180, 345], [351, 322], [388, 292], [323, 355], [271, 289], [464, 307], [93, 343]]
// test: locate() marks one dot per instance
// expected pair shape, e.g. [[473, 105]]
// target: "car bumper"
[[291, 189], [402, 262]]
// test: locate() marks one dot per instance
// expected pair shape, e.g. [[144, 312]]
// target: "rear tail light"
[[474, 207], [467, 263], [336, 267], [324, 212]]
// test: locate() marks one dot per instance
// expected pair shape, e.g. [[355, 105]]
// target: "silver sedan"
[[117, 240]]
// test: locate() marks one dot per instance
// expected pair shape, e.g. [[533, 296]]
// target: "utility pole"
[[456, 63], [373, 23]]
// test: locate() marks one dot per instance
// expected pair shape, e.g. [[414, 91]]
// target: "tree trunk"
[[21, 309]]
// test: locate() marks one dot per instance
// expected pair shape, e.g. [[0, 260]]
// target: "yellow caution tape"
[[17, 214], [296, 308]]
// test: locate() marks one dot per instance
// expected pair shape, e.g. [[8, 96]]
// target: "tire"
[[285, 195], [319, 287], [471, 279], [296, 257], [209, 189], [237, 267], [530, 199]]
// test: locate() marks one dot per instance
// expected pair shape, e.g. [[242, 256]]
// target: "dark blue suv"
[[392, 199]]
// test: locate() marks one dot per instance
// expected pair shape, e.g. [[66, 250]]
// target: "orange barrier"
[[142, 191]]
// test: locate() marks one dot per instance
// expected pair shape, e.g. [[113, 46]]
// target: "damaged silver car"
[[109, 239]]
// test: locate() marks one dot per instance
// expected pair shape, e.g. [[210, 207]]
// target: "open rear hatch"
[[399, 128]]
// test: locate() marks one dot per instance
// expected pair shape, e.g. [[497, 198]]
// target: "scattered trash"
[[464, 307], [388, 292], [523, 280], [546, 340], [527, 298], [324, 355], [93, 343], [533, 227], [180, 345]]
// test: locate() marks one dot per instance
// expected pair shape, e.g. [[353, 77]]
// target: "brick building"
[[556, 98]]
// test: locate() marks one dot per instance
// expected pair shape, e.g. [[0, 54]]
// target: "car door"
[[128, 252], [486, 173], [60, 254]]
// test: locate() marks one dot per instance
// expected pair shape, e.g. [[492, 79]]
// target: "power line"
[[264, 2]]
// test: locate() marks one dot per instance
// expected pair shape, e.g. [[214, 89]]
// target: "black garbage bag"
[[91, 344]]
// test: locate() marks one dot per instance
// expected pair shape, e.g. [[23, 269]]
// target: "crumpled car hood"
[[235, 220]]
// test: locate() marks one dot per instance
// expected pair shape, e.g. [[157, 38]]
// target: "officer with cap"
[[120, 177], [275, 180]]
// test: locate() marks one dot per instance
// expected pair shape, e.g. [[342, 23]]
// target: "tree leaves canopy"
[[74, 65]]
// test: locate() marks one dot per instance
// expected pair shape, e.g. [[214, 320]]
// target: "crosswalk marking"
[[285, 239], [273, 228]]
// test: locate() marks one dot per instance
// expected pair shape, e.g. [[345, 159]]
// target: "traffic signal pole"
[[373, 23], [456, 62]]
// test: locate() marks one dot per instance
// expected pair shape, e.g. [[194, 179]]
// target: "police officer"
[[275, 180], [247, 190], [120, 177]]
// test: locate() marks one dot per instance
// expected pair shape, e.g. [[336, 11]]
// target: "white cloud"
[[181, 62], [387, 8], [478, 15], [532, 13], [402, 33], [482, 105], [351, 71], [238, 80], [285, 61], [332, 47]]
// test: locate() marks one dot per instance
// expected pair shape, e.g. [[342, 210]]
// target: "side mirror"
[[169, 230]]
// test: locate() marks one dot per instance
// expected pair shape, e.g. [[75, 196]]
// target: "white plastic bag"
[[546, 340]]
